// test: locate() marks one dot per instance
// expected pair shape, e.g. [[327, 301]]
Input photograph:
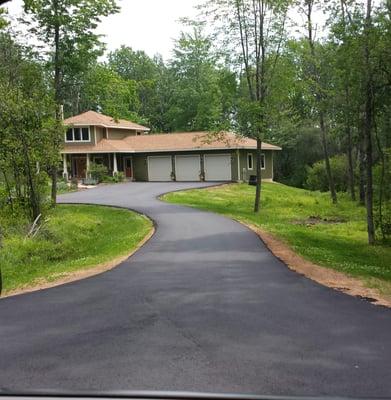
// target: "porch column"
[[88, 165], [115, 166], [65, 167]]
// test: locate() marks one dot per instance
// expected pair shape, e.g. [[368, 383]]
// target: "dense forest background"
[[323, 91]]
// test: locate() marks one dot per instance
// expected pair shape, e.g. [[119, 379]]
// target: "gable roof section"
[[97, 119], [189, 141]]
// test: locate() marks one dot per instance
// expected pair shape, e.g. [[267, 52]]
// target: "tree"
[[258, 28], [368, 120], [67, 28], [27, 120], [103, 90], [315, 79]]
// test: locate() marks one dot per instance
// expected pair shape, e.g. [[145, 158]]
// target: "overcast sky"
[[149, 25]]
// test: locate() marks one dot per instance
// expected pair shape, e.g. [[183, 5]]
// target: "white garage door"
[[187, 168], [159, 168], [217, 167]]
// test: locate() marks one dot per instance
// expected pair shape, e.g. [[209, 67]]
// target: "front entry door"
[[80, 164], [128, 167]]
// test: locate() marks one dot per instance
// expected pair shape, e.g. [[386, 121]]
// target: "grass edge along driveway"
[[75, 238], [332, 236]]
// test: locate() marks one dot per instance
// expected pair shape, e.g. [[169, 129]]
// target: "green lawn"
[[342, 245], [73, 238]]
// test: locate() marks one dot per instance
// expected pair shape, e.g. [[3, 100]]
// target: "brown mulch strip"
[[325, 276]]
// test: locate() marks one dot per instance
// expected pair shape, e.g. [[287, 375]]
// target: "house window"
[[69, 136], [85, 134], [78, 135], [250, 161]]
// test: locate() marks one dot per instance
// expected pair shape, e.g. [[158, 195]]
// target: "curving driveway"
[[202, 306]]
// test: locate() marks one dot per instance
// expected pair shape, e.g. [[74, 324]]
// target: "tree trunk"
[[368, 125], [57, 98], [259, 177], [330, 178], [318, 96], [369, 178], [350, 163], [361, 164]]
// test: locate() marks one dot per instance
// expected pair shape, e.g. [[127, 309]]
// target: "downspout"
[[272, 165], [238, 162]]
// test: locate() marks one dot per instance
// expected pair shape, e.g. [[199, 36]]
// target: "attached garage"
[[217, 167], [159, 168], [187, 167]]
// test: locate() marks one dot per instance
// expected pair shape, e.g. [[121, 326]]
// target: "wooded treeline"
[[263, 68]]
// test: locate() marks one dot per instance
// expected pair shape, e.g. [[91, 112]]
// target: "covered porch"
[[77, 166]]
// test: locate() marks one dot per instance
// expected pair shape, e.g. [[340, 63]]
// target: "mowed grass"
[[74, 237], [341, 245]]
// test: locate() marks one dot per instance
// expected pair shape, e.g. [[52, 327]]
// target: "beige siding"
[[118, 134], [266, 173], [99, 132]]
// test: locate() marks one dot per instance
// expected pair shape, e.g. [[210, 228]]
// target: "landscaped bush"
[[98, 172], [317, 177], [382, 196], [108, 179], [62, 186], [119, 177]]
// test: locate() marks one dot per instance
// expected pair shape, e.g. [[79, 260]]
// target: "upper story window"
[[78, 134]]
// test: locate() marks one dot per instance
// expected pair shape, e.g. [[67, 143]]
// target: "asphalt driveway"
[[202, 306]]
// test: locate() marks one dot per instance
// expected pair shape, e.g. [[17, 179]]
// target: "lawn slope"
[[329, 235], [74, 237]]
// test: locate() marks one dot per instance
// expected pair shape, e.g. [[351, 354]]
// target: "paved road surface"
[[202, 306]]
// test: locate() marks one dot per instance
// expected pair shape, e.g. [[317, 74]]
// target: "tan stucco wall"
[[118, 134], [99, 131], [266, 173]]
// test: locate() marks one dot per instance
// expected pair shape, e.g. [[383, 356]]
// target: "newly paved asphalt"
[[202, 306]]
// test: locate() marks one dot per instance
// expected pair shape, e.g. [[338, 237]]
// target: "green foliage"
[[119, 177], [98, 172], [198, 101], [27, 128], [68, 27], [382, 196], [317, 178], [71, 238], [104, 90]]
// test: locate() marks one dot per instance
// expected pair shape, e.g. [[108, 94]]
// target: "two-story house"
[[128, 147]]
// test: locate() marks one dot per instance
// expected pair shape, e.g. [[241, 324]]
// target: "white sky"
[[149, 25]]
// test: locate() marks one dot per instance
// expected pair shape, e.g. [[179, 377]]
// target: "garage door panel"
[[187, 168], [217, 167], [159, 168]]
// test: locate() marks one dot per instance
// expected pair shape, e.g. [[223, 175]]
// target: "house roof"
[[97, 119], [169, 142]]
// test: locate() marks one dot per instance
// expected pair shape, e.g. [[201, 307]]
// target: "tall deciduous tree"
[[67, 27], [258, 29], [315, 78], [368, 120]]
